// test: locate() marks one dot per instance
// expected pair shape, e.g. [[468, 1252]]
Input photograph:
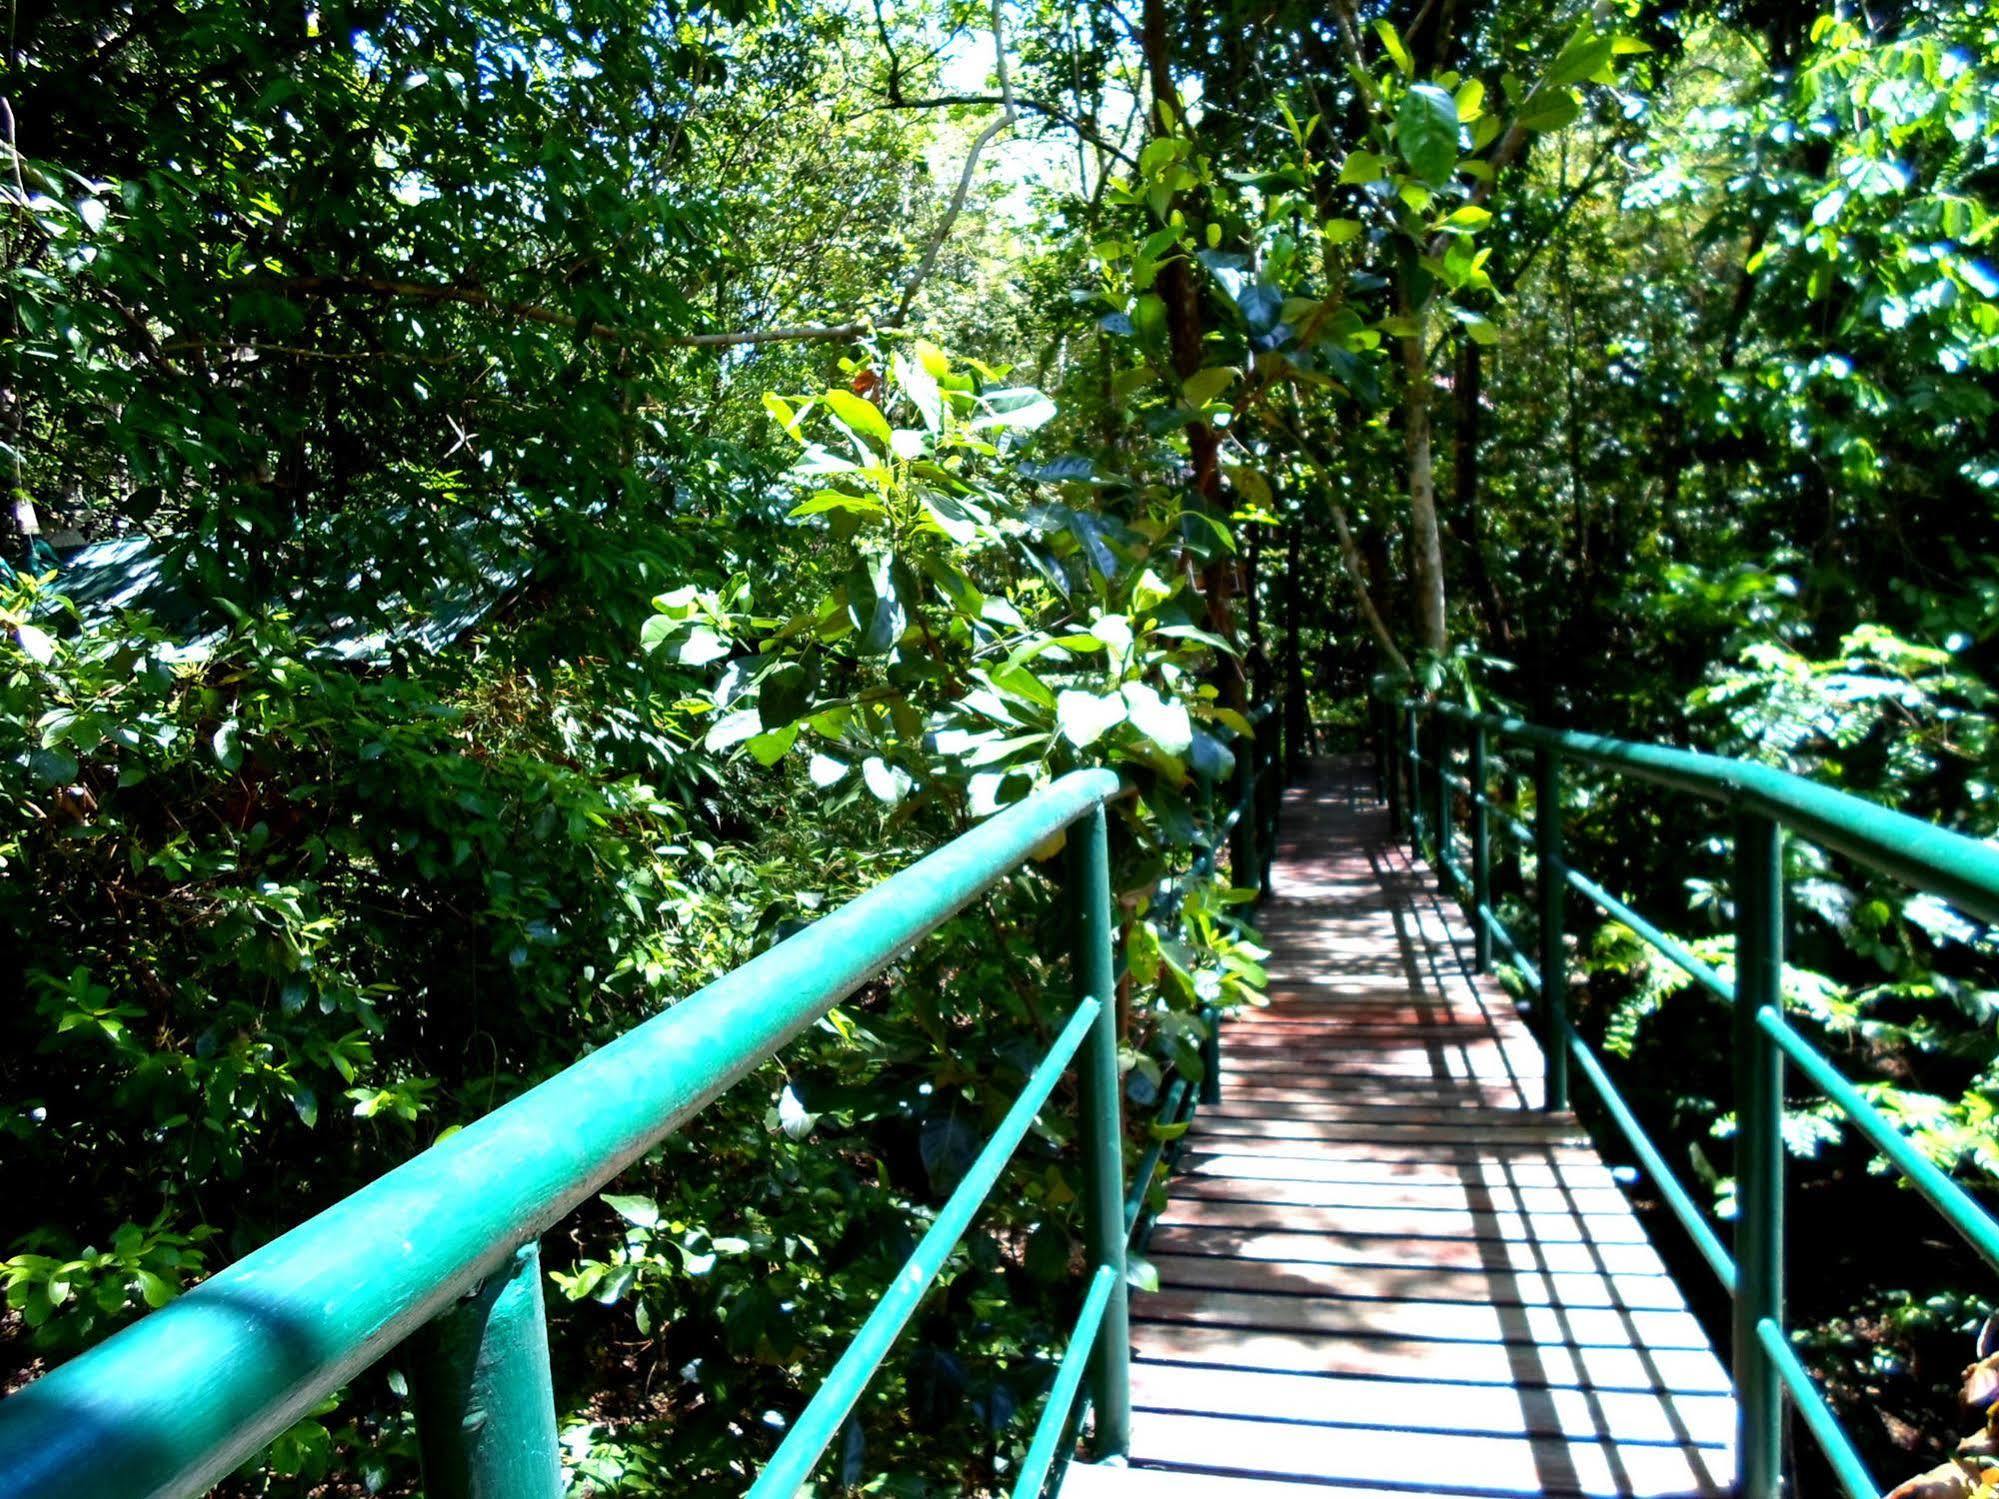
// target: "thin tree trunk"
[[1466, 394], [1291, 666], [1177, 289], [1426, 548], [1357, 574]]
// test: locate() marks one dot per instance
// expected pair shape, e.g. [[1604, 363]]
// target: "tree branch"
[[1032, 106], [943, 231], [472, 296]]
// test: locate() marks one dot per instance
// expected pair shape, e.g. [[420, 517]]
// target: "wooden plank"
[[1497, 1465], [1436, 1066], [1244, 1179], [1500, 1285], [1444, 1321], [1091, 1481], [1383, 1271], [1394, 1250], [1355, 1034], [1680, 1370], [1487, 1132], [1332, 1088], [1390, 1109], [1214, 1210], [1431, 1405], [1464, 1161]]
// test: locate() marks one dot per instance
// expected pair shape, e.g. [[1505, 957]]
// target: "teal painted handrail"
[[1766, 803], [814, 1430], [174, 1402]]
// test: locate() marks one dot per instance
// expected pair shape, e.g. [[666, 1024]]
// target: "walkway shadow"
[[1381, 1245]]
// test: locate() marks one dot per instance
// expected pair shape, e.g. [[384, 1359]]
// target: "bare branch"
[[943, 232], [472, 296], [1033, 106]]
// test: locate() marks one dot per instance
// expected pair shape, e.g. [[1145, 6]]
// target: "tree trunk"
[[1426, 548], [1466, 392], [1291, 666], [1178, 290]]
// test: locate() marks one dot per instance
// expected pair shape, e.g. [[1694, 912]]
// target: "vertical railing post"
[[1759, 1137], [485, 1406], [1554, 889], [1270, 794], [1389, 729], [1440, 745], [1509, 796], [1103, 1129], [1481, 856], [1414, 762], [1244, 870]]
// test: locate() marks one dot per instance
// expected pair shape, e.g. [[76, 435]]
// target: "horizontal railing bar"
[[1521, 961], [1963, 870], [1513, 826], [1841, 1453], [1946, 1196], [1701, 973], [1141, 1182], [1048, 1431], [267, 1337], [1692, 1219], [792, 1464]]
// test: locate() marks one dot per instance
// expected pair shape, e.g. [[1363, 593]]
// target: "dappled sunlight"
[[1382, 1264]]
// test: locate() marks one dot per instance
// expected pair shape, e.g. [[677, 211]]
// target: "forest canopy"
[[514, 508]]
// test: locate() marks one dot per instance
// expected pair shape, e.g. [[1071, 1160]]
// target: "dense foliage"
[[617, 479]]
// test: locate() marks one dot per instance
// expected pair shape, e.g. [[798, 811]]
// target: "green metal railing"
[[442, 1251], [1423, 789]]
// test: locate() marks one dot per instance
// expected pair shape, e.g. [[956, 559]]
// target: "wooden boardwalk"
[[1384, 1270]]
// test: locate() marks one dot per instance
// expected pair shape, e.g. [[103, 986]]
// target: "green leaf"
[[782, 695], [640, 1211], [1250, 483], [701, 646], [1392, 40], [1361, 167], [1470, 99], [1339, 231], [860, 414], [52, 767], [770, 747], [1584, 55], [156, 1289], [653, 633], [889, 783], [731, 730], [1151, 590], [227, 746], [1021, 409], [780, 408], [921, 387], [833, 500], [1203, 386], [40, 647], [1426, 133], [1084, 717], [874, 606], [1165, 723], [1550, 109]]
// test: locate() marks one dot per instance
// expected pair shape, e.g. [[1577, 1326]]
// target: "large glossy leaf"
[[1426, 133], [860, 414], [1084, 717]]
